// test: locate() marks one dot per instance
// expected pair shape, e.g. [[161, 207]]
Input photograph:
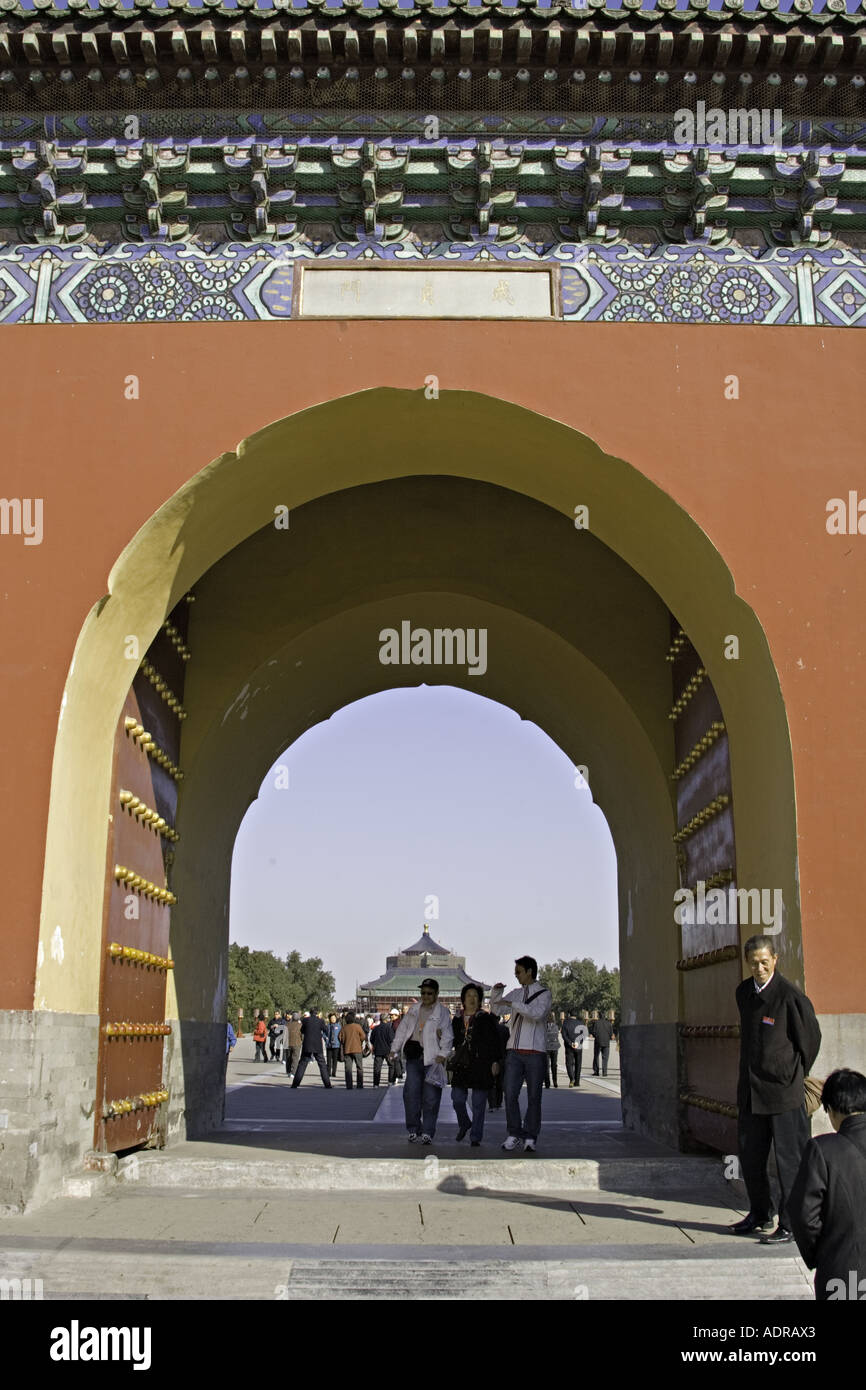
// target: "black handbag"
[[462, 1057]]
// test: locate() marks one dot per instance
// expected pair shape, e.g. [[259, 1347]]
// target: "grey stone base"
[[48, 1094], [648, 1059], [195, 1073], [47, 1098]]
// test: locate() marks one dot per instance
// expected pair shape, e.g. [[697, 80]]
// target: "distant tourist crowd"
[[486, 1051]]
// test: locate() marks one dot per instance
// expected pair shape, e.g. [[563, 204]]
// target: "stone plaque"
[[404, 292]]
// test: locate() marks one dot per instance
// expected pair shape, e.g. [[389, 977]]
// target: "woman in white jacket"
[[425, 1038]]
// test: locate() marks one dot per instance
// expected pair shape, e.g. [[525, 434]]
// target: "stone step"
[[572, 1280], [84, 1275], [303, 1173]]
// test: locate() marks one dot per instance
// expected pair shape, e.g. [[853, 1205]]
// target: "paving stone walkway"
[[312, 1194]]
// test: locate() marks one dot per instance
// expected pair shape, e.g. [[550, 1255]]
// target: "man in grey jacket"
[[529, 1006]]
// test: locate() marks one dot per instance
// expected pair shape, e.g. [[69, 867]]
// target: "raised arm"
[[499, 1001]]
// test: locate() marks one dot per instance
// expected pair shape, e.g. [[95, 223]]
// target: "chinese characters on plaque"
[[494, 292]]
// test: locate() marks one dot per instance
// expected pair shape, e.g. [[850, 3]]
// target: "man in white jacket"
[[425, 1037], [528, 1006]]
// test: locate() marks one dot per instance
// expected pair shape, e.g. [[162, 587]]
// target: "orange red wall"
[[756, 472]]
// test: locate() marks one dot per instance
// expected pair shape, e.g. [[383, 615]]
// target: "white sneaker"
[[291, 1076], [414, 1138], [512, 1142], [529, 1146], [426, 1139]]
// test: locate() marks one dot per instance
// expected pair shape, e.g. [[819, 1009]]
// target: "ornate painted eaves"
[[340, 189]]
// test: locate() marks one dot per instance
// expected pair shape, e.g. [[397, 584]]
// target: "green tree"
[[260, 980], [580, 984], [310, 983], [607, 992]]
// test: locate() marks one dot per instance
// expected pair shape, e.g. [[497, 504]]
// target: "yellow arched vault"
[[457, 512]]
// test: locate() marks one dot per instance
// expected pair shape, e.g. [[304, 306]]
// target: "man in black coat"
[[574, 1035], [602, 1033], [312, 1039], [827, 1205], [779, 1041], [381, 1039]]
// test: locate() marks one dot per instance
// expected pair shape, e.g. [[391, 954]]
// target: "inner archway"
[[425, 804], [469, 527]]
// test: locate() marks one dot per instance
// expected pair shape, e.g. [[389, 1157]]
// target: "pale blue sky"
[[417, 792]]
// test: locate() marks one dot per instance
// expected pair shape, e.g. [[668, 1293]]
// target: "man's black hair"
[[845, 1091], [571, 1013], [350, 1015], [479, 990], [528, 964], [760, 943]]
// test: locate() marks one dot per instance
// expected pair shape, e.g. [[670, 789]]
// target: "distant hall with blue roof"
[[404, 972]]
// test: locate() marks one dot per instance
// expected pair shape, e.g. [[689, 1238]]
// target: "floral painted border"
[[233, 282]]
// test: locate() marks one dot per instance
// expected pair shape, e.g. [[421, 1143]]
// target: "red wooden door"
[[710, 959], [136, 960]]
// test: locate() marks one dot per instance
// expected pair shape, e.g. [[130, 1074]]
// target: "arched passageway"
[[454, 514]]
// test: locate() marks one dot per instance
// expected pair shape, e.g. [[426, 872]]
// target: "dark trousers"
[[550, 1071], [474, 1122], [293, 1057], [601, 1055], [573, 1060], [261, 1047], [497, 1090], [520, 1067], [306, 1059], [333, 1058], [377, 1070], [421, 1099], [789, 1134], [358, 1059]]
